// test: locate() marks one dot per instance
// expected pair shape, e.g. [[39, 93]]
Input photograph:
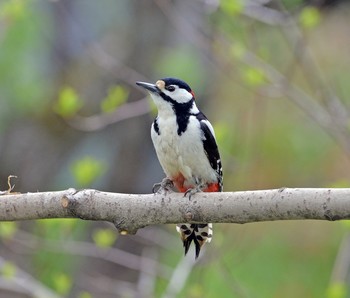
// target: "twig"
[[101, 121], [179, 277], [107, 286], [148, 274], [314, 74], [11, 187], [25, 282], [320, 114], [80, 248], [331, 118], [341, 266]]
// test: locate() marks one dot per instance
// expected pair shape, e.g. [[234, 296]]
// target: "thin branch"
[[113, 65], [11, 187], [22, 282], [101, 121], [258, 11], [314, 74], [179, 277], [129, 212], [341, 267], [107, 286], [331, 117], [148, 274], [320, 114], [80, 248]]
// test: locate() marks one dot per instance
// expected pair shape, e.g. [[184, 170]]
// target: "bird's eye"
[[170, 88]]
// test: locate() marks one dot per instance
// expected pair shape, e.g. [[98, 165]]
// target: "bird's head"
[[169, 92]]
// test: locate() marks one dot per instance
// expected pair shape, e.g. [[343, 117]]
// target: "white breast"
[[182, 154]]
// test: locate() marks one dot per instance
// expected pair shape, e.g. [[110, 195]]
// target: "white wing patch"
[[208, 124]]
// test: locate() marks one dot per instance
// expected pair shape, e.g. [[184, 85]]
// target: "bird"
[[186, 147]]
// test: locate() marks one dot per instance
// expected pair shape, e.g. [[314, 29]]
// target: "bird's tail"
[[198, 233]]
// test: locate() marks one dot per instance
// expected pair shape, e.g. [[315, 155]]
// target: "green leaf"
[[116, 96], [62, 283], [14, 9], [232, 7], [8, 270], [310, 17], [337, 290], [254, 76], [104, 237], [68, 103], [8, 229], [87, 170]]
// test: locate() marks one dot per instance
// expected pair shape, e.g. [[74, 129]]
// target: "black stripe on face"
[[182, 112], [156, 126]]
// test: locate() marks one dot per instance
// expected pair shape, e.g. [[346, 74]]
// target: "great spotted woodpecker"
[[185, 144]]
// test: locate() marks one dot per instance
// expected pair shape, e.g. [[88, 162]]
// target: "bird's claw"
[[164, 186], [191, 191]]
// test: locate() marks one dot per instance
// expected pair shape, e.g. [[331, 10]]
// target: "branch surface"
[[129, 212]]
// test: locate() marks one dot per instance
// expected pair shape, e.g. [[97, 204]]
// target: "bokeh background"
[[273, 78]]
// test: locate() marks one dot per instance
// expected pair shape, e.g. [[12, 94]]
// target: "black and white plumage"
[[185, 144]]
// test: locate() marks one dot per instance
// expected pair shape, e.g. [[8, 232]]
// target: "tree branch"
[[129, 212]]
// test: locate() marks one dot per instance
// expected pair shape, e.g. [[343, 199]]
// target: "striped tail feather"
[[198, 233]]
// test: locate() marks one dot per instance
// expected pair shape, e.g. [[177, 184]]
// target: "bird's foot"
[[191, 191], [165, 186]]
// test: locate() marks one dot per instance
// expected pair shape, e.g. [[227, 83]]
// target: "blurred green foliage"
[[184, 64], [104, 237], [232, 7], [117, 95], [337, 290], [8, 270], [68, 103], [14, 9], [243, 271], [22, 59], [56, 232], [8, 229], [310, 17], [62, 283], [254, 77], [265, 140], [86, 170], [57, 228]]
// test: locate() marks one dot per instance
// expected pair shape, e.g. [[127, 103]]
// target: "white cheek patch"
[[180, 95]]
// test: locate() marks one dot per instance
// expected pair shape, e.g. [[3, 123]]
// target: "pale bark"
[[129, 212]]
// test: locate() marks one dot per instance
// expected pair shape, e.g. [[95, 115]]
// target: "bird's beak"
[[150, 87]]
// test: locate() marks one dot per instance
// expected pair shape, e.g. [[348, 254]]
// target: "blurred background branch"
[[271, 75]]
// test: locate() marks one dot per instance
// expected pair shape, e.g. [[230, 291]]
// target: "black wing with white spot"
[[210, 146]]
